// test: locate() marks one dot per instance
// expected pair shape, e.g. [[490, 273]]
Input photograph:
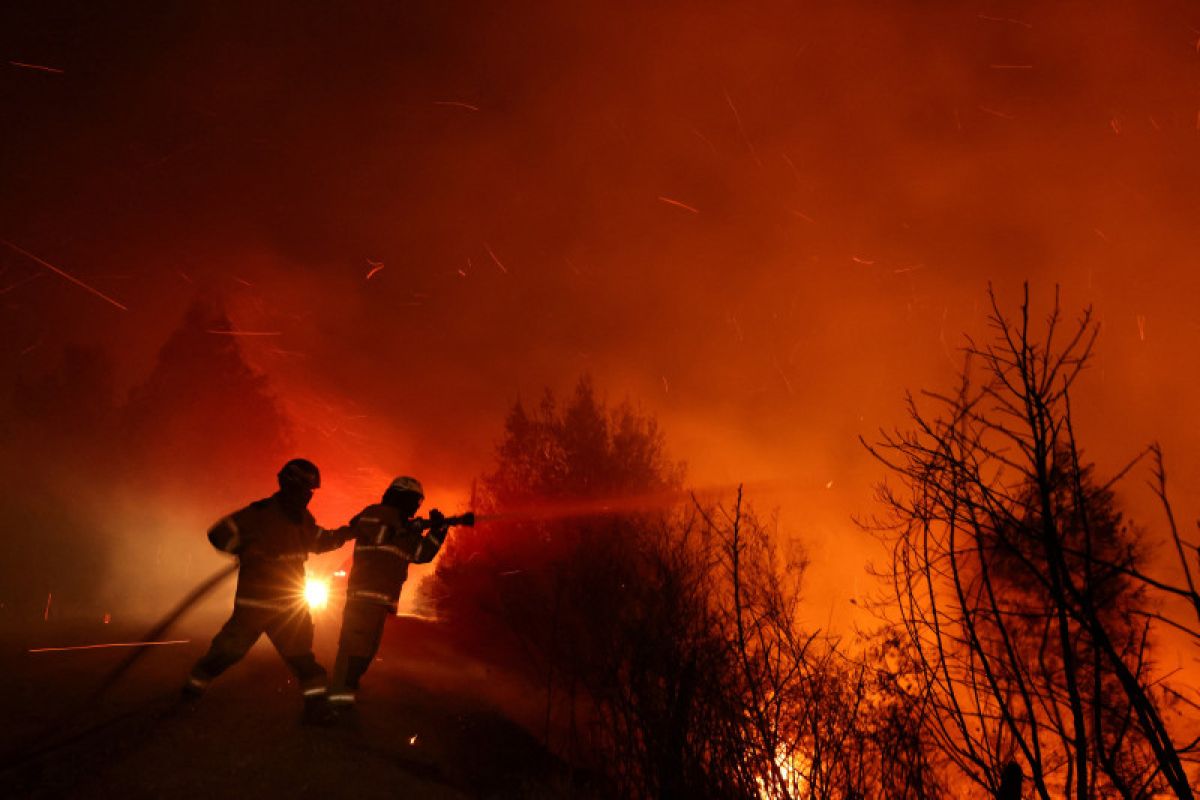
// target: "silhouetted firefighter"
[[387, 540], [272, 539]]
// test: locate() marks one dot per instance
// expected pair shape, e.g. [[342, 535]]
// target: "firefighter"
[[387, 540], [272, 539]]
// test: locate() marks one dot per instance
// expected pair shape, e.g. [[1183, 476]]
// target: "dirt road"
[[428, 725]]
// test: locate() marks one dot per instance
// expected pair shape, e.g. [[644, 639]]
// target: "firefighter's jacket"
[[272, 543], [385, 543]]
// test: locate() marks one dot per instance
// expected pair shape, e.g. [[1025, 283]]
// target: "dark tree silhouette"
[[1013, 581], [204, 420], [108, 486], [665, 639], [548, 463]]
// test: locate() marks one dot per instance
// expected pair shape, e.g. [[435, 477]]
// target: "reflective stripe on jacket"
[[272, 542], [385, 543]]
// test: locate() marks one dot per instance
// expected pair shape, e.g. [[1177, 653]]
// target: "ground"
[[431, 723]]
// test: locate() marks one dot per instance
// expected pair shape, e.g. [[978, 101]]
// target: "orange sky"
[[761, 221]]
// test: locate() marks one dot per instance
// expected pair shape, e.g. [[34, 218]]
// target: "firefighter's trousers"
[[289, 629], [362, 630]]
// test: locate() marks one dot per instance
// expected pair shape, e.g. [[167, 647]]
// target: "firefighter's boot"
[[193, 689], [317, 711], [347, 716]]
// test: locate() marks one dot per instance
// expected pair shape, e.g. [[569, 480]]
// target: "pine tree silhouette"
[[204, 420]]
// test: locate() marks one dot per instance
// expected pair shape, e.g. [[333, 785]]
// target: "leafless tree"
[[820, 722], [1018, 590]]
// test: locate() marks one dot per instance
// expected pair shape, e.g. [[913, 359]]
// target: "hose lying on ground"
[[43, 744]]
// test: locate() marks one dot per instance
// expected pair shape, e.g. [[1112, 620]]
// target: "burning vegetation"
[[660, 635], [359, 234], [1015, 629]]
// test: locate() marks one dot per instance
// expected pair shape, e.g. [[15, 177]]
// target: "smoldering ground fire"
[[235, 235]]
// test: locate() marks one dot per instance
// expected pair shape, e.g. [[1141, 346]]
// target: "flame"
[[316, 593], [790, 778]]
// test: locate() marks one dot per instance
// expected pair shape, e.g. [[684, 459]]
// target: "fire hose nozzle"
[[467, 519], [438, 521]]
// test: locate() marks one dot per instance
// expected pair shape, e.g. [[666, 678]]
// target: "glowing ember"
[[316, 593]]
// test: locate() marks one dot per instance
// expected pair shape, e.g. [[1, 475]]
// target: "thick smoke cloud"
[[760, 221]]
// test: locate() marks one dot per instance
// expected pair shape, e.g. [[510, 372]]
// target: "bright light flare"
[[316, 593]]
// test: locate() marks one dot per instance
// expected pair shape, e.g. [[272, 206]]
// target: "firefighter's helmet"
[[407, 484], [301, 472]]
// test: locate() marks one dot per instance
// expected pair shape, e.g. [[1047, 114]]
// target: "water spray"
[[643, 502]]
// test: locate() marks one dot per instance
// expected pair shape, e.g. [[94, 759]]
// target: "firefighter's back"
[[272, 544], [384, 544]]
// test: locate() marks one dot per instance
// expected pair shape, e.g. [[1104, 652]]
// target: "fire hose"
[[182, 607], [438, 520], [40, 746]]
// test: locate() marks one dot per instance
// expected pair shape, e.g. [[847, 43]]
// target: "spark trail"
[[106, 645], [61, 273], [50, 739], [678, 204], [37, 67]]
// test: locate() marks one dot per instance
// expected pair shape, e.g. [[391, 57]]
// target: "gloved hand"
[[437, 520]]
